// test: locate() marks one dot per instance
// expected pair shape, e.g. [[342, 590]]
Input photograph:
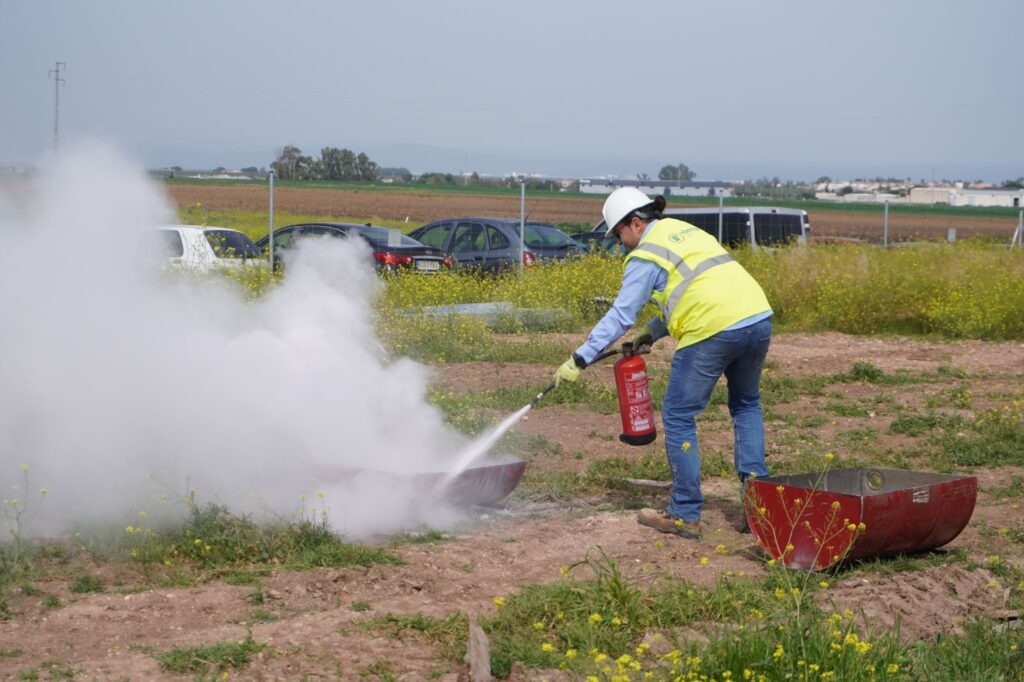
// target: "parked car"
[[492, 244], [771, 226], [191, 247], [595, 242], [392, 251]]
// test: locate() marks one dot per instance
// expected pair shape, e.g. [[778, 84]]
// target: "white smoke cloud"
[[112, 376]]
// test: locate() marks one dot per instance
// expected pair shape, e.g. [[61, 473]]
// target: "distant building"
[[958, 196], [675, 188]]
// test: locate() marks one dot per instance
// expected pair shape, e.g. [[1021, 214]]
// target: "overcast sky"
[[734, 89]]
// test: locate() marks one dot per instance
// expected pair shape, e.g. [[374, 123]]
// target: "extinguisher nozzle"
[[543, 393]]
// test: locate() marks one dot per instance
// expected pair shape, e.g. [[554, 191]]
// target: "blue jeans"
[[739, 354]]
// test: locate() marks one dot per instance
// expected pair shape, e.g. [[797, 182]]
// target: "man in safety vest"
[[721, 320]]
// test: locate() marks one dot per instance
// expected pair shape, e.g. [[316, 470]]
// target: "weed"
[[242, 578], [918, 423], [426, 537], [10, 653], [360, 606], [956, 397], [380, 668], [209, 659], [50, 601], [261, 616], [54, 671], [16, 511], [1014, 488], [256, 597], [214, 538], [86, 583], [786, 389], [845, 410], [448, 633]]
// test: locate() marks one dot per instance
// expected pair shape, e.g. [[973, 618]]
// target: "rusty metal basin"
[[484, 483], [812, 521]]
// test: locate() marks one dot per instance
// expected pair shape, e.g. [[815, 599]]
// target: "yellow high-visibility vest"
[[707, 291]]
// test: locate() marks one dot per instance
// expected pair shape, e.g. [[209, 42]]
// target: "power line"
[[57, 81]]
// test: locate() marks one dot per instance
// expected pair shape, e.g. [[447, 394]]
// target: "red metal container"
[[811, 521]]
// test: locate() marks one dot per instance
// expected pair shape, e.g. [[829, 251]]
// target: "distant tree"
[[402, 173], [643, 177], [219, 169], [434, 178], [824, 179], [365, 169], [332, 164], [251, 170], [291, 164], [678, 172], [1014, 184]]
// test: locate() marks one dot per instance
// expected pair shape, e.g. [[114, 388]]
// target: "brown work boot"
[[663, 521]]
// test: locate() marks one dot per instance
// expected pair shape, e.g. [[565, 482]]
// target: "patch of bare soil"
[[319, 633], [419, 207], [923, 604]]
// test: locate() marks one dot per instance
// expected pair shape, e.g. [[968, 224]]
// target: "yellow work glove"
[[567, 371]]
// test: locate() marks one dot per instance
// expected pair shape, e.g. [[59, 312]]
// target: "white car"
[[202, 249]]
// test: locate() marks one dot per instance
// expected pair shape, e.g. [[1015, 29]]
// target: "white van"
[[732, 226], [760, 225]]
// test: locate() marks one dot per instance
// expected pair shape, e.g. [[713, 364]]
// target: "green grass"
[[448, 633], [765, 629], [1012, 489], [209, 660], [86, 583], [212, 538]]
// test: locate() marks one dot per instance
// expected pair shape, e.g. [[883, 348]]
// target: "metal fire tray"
[[481, 484], [812, 521]]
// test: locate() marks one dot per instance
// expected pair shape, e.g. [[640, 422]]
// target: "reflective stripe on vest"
[[685, 271]]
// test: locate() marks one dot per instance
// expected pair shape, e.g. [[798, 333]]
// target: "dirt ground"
[[423, 207], [505, 547]]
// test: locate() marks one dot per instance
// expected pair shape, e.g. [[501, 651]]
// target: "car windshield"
[[384, 237], [231, 244], [543, 236]]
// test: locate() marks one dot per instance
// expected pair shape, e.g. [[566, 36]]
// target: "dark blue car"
[[493, 244]]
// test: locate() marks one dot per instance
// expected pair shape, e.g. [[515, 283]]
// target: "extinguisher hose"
[[603, 356]]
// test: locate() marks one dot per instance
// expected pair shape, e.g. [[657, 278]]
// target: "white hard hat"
[[620, 204]]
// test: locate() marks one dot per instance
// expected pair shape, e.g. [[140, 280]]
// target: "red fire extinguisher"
[[634, 398]]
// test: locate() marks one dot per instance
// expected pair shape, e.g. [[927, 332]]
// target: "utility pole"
[[57, 81]]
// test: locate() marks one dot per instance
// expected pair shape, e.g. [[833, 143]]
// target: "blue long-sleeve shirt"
[[640, 279]]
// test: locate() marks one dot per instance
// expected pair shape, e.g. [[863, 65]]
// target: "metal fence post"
[[522, 224], [1018, 234], [270, 225], [885, 226], [721, 215]]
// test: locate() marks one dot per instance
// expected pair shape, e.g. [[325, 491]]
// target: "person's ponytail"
[[652, 211]]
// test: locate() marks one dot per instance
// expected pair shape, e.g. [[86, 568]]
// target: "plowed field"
[[425, 206]]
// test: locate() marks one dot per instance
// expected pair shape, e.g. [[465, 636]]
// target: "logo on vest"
[[676, 237]]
